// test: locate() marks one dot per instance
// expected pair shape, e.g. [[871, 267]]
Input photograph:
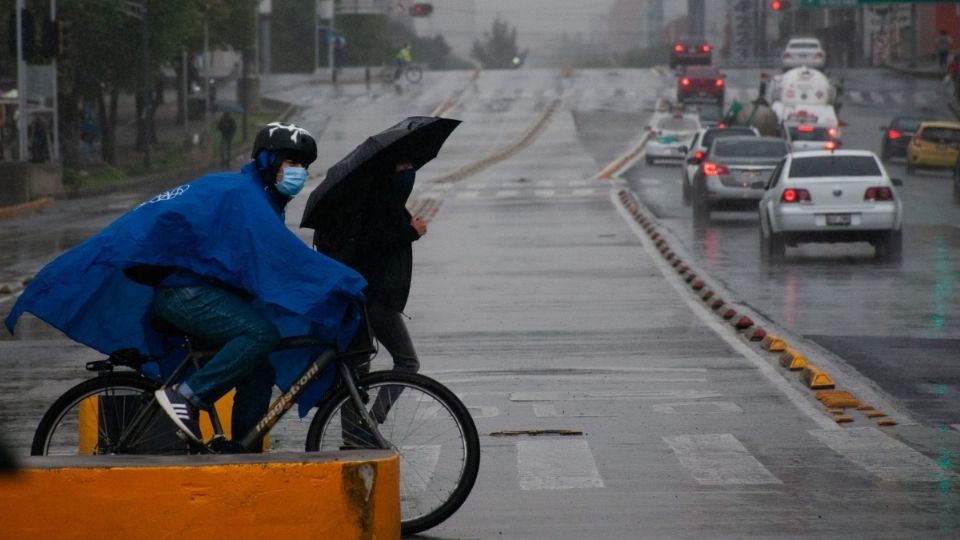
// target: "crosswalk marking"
[[625, 394], [556, 464], [544, 192], [882, 456], [719, 459], [897, 97], [856, 96], [698, 407], [877, 97], [504, 193], [549, 410]]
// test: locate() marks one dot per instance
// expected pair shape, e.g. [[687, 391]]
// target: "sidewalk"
[[924, 68]]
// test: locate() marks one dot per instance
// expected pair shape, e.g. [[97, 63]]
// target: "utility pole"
[[21, 88]]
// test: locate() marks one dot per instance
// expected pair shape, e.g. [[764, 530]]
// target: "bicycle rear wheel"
[[425, 423], [413, 73], [110, 414]]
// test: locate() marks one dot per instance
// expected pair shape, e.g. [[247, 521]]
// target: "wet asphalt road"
[[544, 309]]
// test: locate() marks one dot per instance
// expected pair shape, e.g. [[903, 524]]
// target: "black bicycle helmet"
[[287, 140]]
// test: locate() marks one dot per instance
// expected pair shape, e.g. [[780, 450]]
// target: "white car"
[[803, 52], [824, 196], [670, 136]]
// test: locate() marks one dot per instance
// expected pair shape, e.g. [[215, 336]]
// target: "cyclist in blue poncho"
[[215, 259]]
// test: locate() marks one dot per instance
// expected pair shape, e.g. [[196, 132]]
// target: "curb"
[[776, 350], [295, 495], [919, 73]]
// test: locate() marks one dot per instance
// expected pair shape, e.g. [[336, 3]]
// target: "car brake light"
[[818, 55], [715, 169], [684, 81], [893, 134], [830, 145], [803, 128], [706, 48], [677, 48], [832, 132], [721, 125], [698, 155], [791, 195], [718, 82], [878, 194], [786, 55]]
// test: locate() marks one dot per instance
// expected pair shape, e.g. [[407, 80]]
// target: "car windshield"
[[906, 124], [749, 149], [941, 134], [810, 167], [676, 124], [709, 136], [809, 133]]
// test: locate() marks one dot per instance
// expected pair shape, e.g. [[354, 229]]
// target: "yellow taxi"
[[934, 144]]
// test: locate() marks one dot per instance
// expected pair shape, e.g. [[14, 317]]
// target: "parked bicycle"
[[392, 72], [116, 413]]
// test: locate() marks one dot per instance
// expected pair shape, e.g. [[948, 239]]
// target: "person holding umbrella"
[[360, 218]]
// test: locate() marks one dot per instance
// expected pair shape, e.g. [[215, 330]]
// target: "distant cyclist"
[[403, 58]]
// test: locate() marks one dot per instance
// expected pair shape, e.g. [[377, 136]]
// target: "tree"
[[500, 46]]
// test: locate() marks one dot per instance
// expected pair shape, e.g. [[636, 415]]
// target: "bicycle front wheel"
[[428, 426], [413, 74], [115, 413]]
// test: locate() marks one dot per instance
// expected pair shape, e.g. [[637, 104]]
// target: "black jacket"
[[384, 254]]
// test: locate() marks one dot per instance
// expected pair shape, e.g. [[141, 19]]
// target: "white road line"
[[883, 456], [897, 97], [545, 192], [772, 374], [583, 192], [719, 459], [549, 410], [468, 195], [603, 395], [577, 183], [545, 183], [856, 96], [423, 460], [876, 96], [506, 193], [556, 464], [483, 411], [698, 407]]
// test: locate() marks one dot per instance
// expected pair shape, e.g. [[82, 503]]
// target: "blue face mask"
[[292, 182], [403, 182]]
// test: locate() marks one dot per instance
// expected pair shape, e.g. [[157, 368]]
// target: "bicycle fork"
[[347, 377]]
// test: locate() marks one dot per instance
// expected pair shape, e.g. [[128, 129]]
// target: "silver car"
[[806, 51], [698, 149], [733, 174], [823, 196]]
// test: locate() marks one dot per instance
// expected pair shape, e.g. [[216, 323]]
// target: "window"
[[940, 135], [748, 149], [712, 134], [906, 124], [811, 167], [676, 124], [775, 175]]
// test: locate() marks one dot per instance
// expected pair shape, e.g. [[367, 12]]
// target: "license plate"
[[838, 219]]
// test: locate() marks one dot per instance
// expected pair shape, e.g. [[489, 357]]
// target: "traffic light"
[[421, 10], [780, 5]]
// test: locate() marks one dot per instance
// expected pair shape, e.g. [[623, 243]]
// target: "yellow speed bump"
[[838, 399], [773, 343], [289, 495], [791, 359], [815, 378]]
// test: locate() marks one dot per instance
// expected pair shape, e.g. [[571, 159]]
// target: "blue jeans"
[[246, 337]]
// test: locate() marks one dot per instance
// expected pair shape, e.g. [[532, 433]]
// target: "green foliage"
[[499, 47]]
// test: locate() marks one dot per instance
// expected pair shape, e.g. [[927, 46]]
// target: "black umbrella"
[[416, 140]]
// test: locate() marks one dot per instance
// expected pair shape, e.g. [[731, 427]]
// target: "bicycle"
[[116, 412], [411, 72]]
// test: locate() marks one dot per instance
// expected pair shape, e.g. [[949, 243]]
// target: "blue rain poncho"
[[224, 228]]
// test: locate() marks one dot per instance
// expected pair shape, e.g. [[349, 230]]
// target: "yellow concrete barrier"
[[773, 343], [838, 399], [815, 378], [291, 495], [791, 359]]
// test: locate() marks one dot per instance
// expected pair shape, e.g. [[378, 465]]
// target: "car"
[[803, 51], [710, 114], [831, 196], [670, 135], [698, 149], [935, 144], [803, 136], [701, 83], [733, 174], [897, 135], [690, 50]]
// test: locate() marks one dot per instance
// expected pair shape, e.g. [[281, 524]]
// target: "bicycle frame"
[[251, 441]]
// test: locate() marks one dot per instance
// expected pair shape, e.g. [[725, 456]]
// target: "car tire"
[[773, 248], [890, 246]]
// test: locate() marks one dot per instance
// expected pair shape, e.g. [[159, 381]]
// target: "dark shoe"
[[183, 414]]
